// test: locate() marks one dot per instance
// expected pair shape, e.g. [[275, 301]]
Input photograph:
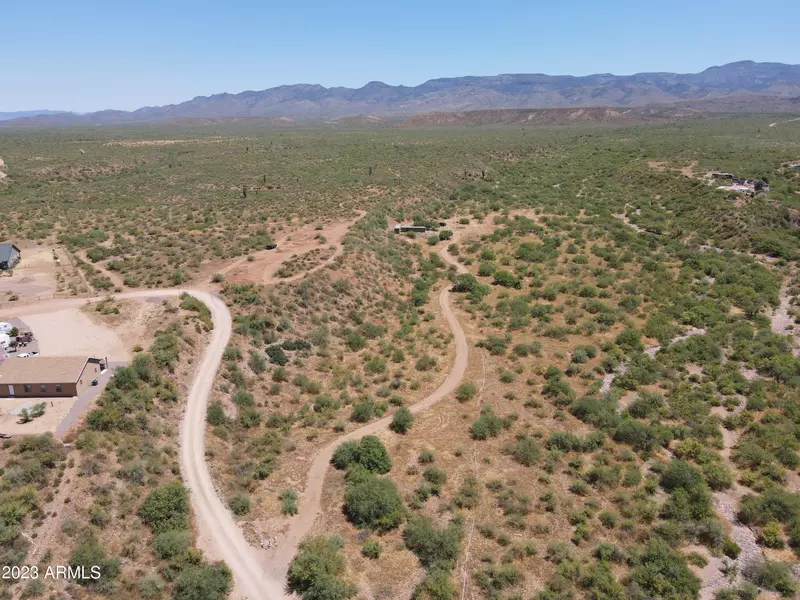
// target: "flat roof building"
[[48, 376]]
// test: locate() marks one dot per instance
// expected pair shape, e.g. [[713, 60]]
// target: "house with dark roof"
[[48, 376], [9, 256]]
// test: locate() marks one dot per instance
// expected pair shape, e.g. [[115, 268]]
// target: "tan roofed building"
[[47, 376]]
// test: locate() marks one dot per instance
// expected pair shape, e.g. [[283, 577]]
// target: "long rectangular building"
[[47, 376]]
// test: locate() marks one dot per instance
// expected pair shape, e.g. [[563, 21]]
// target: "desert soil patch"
[[35, 275], [70, 332], [53, 415]]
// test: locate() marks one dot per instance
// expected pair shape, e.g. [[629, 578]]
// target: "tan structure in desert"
[[37, 377]]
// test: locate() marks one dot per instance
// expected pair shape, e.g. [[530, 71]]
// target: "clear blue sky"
[[87, 55]]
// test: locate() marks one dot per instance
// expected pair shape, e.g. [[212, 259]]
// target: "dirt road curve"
[[216, 528], [309, 508], [217, 531]]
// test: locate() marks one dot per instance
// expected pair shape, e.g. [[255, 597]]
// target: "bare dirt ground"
[[263, 265], [69, 332], [49, 421], [782, 320], [135, 324], [35, 275]]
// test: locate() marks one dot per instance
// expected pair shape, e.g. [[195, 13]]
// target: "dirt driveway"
[[69, 332], [264, 264]]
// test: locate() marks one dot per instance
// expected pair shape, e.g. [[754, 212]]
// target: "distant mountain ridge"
[[5, 116], [743, 84]]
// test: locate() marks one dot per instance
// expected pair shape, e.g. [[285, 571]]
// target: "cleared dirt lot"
[[35, 275], [69, 332]]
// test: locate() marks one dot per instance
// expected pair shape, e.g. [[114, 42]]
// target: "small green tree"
[[203, 582], [315, 572], [166, 508], [345, 454], [374, 504], [402, 420], [373, 456], [215, 415], [88, 553]]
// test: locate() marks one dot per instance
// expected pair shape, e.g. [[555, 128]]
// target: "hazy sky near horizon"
[[87, 55]]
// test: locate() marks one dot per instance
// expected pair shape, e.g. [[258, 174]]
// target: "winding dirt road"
[[310, 504], [218, 533]]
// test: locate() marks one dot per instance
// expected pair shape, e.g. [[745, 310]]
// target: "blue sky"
[[89, 55]]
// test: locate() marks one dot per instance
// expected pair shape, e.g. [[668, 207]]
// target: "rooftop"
[[5, 252], [42, 369]]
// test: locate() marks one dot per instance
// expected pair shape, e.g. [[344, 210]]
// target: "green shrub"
[[345, 454], [373, 456], [527, 451], [171, 544], [425, 363], [315, 572], [436, 477], [469, 494], [437, 549], [772, 575], [239, 503], [506, 279], [276, 355], [466, 391], [659, 571], [488, 425], [166, 508], [438, 585], [203, 582], [215, 415], [374, 504], [371, 549], [88, 554], [402, 421], [288, 500], [256, 362], [771, 535], [494, 579], [363, 412], [608, 518], [243, 398]]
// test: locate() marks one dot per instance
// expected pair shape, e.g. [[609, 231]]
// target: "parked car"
[[24, 355]]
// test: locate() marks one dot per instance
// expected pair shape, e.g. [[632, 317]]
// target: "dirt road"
[[782, 122], [218, 533], [783, 321], [310, 504]]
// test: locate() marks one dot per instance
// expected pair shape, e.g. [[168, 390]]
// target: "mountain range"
[[744, 86], [20, 114]]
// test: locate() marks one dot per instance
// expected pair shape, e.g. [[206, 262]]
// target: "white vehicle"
[[24, 355], [6, 327]]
